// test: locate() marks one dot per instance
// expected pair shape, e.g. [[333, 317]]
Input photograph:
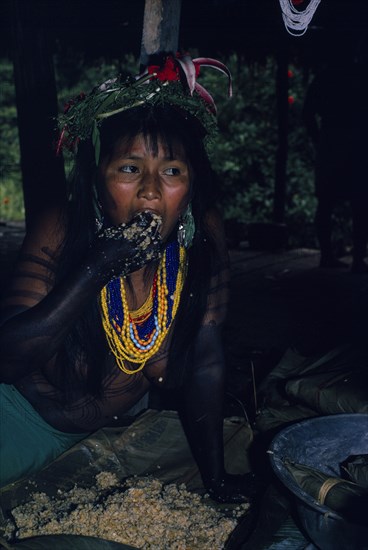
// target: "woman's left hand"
[[121, 249], [234, 488]]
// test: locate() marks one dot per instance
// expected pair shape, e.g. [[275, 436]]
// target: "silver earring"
[[186, 228], [99, 216], [98, 224], [97, 206]]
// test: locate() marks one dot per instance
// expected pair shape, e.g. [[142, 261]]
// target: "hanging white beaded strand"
[[297, 19]]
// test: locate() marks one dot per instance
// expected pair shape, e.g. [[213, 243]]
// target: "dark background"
[[252, 27]]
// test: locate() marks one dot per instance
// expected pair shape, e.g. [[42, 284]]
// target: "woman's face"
[[135, 179]]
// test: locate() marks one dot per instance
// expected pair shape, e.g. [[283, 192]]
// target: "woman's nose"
[[150, 187]]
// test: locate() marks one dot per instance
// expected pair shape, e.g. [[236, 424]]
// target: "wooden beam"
[[36, 98], [161, 24]]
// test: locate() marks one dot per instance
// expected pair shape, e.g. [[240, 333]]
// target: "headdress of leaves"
[[173, 81]]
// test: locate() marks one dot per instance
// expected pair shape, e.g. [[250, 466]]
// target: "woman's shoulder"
[[47, 232], [34, 271]]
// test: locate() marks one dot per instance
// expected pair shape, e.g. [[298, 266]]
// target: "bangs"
[[153, 140], [165, 126]]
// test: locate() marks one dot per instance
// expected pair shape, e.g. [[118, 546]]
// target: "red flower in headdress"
[[169, 71], [184, 66]]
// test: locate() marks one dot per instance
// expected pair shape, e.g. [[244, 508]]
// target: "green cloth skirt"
[[27, 442]]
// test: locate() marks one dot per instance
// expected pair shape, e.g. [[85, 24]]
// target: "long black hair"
[[168, 125]]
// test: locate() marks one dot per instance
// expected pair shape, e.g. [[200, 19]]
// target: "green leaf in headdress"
[[96, 141]]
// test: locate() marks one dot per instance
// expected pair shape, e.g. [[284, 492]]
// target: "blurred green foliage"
[[11, 196], [243, 154]]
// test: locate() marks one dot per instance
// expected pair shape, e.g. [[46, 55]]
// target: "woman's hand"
[[233, 488], [122, 249]]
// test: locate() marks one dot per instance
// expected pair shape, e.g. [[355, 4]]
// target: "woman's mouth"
[[148, 217]]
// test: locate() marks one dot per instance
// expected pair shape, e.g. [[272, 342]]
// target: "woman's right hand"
[[122, 249]]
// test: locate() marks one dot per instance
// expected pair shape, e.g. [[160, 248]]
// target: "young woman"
[[126, 287]]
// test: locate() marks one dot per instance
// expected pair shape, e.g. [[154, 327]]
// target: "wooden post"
[[282, 85], [161, 24], [36, 97]]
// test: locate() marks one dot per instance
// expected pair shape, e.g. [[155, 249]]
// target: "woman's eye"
[[172, 171], [128, 169]]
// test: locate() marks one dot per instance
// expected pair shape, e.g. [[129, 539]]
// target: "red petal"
[[209, 62], [206, 97], [188, 67], [59, 145]]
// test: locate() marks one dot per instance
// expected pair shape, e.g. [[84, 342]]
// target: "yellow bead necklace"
[[136, 336]]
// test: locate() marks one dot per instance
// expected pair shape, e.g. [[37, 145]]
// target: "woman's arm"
[[203, 421], [204, 397], [204, 391], [37, 316]]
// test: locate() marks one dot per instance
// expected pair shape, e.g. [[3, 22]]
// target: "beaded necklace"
[[137, 336]]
